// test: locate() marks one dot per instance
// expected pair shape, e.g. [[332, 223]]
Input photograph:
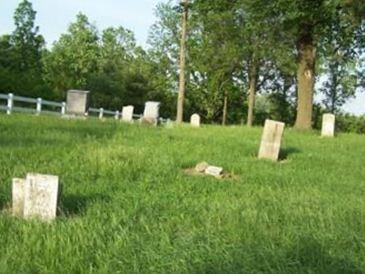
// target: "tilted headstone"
[[271, 140], [328, 125], [127, 113], [195, 120], [40, 196], [18, 197], [77, 102], [151, 113]]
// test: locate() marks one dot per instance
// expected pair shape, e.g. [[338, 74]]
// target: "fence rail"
[[38, 104]]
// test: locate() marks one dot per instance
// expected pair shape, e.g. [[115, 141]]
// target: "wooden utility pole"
[[181, 96]]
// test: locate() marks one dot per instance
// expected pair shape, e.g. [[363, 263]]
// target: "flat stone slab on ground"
[[40, 196], [214, 171], [271, 140], [201, 167]]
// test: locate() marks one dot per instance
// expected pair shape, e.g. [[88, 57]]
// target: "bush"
[[350, 123]]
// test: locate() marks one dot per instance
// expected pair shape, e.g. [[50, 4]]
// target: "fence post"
[[116, 115], [101, 113], [63, 108], [39, 106], [10, 103]]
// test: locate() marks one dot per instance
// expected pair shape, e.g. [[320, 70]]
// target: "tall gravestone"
[[195, 120], [271, 140], [18, 197], [127, 114], [77, 102], [151, 113], [328, 125], [40, 196]]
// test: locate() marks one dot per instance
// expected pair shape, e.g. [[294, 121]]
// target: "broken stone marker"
[[271, 140], [201, 167], [214, 171], [127, 114], [77, 102], [18, 197], [195, 120], [328, 125], [151, 113], [40, 196]]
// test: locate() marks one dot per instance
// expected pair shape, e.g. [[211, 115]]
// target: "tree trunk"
[[252, 78], [306, 78], [181, 96], [225, 109]]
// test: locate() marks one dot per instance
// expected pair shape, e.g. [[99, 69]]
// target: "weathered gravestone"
[[214, 171], [40, 196], [271, 140], [328, 125], [151, 113], [195, 120], [77, 102], [18, 197], [127, 114]]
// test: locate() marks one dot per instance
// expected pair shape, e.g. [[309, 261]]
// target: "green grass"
[[127, 207]]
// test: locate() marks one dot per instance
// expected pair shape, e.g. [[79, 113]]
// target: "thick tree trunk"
[[252, 78], [181, 96], [225, 109], [306, 78]]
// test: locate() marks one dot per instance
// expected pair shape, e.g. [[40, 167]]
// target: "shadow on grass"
[[72, 204], [286, 152], [311, 257], [3, 203], [307, 256]]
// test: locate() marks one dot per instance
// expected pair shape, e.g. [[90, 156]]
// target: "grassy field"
[[128, 207]]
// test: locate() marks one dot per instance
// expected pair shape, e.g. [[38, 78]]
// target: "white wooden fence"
[[35, 105]]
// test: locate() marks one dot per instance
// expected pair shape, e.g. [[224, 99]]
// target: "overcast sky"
[[54, 16]]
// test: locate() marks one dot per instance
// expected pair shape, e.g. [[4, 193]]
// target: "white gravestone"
[[195, 120], [328, 125], [151, 113], [271, 140], [214, 171], [18, 197], [127, 114], [77, 102], [40, 196]]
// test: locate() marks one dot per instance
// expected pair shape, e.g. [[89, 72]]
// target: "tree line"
[[243, 61]]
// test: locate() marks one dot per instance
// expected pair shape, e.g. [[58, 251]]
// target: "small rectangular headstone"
[[271, 140], [214, 171], [195, 120], [18, 197], [77, 102], [151, 113], [127, 113], [40, 196], [328, 125]]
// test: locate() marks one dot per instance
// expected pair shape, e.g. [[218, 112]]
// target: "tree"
[[25, 48], [308, 23], [180, 100], [343, 56], [74, 57]]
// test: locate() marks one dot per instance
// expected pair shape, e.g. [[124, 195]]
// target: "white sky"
[[54, 16]]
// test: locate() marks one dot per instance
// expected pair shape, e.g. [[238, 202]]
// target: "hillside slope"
[[128, 207]]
